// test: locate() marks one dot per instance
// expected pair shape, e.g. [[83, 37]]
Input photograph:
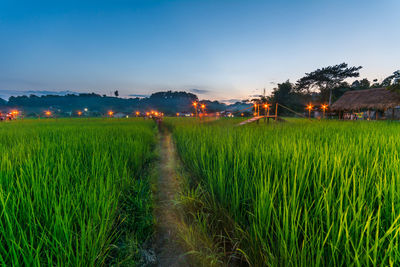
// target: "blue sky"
[[223, 49]]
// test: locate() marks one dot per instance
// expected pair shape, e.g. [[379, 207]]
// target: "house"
[[375, 100]]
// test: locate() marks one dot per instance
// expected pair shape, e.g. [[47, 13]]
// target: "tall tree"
[[285, 95], [327, 79], [116, 93], [361, 84], [392, 79]]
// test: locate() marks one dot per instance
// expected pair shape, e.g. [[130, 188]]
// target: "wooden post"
[[268, 115], [392, 114], [369, 115], [276, 112], [376, 114], [265, 111]]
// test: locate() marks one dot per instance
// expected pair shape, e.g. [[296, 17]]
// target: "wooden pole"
[[265, 111], [268, 115], [276, 112], [392, 114]]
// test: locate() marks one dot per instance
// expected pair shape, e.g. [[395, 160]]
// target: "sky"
[[217, 49]]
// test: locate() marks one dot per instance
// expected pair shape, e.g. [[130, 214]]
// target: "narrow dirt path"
[[167, 248]]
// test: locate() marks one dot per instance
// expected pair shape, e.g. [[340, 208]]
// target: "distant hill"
[[6, 94], [168, 102]]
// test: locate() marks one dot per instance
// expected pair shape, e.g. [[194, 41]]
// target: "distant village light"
[[110, 113], [47, 113], [177, 114]]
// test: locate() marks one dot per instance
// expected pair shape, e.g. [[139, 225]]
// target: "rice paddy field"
[[299, 193], [303, 193], [71, 191]]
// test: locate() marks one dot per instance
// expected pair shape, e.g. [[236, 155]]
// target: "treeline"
[[322, 86], [325, 86], [168, 102]]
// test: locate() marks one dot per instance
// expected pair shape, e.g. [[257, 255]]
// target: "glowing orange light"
[[137, 113], [79, 113], [110, 113], [255, 113], [195, 104], [309, 107], [147, 113], [191, 114], [47, 113], [203, 106], [177, 114], [14, 112], [242, 114], [324, 107], [156, 113]]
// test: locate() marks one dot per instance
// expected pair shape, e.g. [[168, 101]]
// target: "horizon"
[[216, 50]]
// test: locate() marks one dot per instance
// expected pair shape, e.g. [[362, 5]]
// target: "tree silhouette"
[[327, 79]]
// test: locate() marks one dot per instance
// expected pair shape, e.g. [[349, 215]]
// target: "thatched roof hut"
[[375, 98]]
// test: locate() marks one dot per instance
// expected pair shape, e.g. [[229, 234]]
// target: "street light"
[[324, 108], [137, 113], [79, 113], [110, 113], [309, 107], [47, 113], [266, 108], [195, 107]]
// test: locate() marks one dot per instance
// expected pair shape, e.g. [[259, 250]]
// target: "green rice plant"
[[64, 185], [302, 193]]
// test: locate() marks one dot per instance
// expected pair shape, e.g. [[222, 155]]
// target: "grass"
[[299, 193], [73, 191]]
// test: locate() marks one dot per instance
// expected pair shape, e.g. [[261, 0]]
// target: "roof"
[[375, 98]]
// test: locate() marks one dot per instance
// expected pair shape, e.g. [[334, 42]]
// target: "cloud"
[[138, 95], [232, 101], [199, 91]]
